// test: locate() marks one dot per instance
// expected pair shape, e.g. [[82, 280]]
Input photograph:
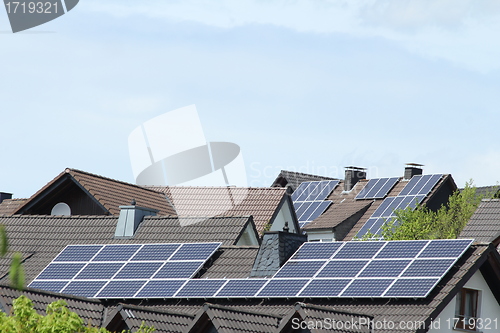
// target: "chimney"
[[413, 169], [4, 196], [352, 176], [130, 218], [275, 249]]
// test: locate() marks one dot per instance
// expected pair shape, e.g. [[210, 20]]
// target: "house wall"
[[489, 309], [324, 236], [284, 215], [248, 238]]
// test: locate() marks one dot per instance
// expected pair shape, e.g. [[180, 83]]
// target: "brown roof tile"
[[45, 236], [111, 193], [10, 206], [261, 203], [91, 311], [233, 263], [484, 225]]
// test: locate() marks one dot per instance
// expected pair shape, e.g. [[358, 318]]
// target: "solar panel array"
[[387, 269], [377, 188], [309, 199], [124, 270], [412, 194]]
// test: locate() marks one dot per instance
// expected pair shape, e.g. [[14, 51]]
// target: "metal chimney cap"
[[414, 165], [354, 168]]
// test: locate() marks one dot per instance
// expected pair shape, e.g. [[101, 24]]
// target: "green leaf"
[[16, 273]]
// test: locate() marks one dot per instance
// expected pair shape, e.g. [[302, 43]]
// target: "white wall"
[[489, 309], [284, 215], [320, 236]]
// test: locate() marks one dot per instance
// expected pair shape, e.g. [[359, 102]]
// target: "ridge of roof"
[[227, 308], [71, 170]]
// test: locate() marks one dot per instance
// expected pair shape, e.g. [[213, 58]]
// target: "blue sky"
[[311, 86]]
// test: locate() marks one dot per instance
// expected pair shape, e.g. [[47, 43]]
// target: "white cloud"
[[463, 32]]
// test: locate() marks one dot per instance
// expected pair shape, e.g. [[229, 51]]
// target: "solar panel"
[[197, 288], [138, 270], [114, 267], [367, 288], [116, 253], [179, 270], [428, 267], [412, 194], [309, 199], [78, 253], [344, 269], [120, 289], [366, 269], [299, 269], [402, 249], [362, 250], [411, 288], [324, 288], [377, 188], [385, 268], [241, 288], [60, 271], [282, 288], [160, 288], [440, 248], [101, 270], [54, 286], [196, 251], [155, 252], [316, 250], [83, 288]]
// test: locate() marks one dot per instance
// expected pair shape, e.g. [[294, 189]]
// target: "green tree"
[[16, 272], [422, 223], [59, 319]]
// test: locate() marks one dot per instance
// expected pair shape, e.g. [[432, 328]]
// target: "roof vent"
[[130, 218], [352, 176], [413, 169]]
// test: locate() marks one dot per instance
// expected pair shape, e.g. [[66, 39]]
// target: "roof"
[[233, 262], [487, 191], [311, 313], [446, 179], [162, 321], [398, 310], [293, 179], [91, 311], [10, 206], [338, 213], [230, 320], [109, 193], [484, 225], [225, 229], [45, 236], [260, 202]]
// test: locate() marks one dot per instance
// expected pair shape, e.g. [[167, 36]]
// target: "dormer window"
[[467, 309]]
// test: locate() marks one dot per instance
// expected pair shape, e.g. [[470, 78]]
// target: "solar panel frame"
[[316, 250], [324, 288], [283, 288], [242, 287], [300, 269], [121, 289], [83, 288], [160, 288], [133, 266], [412, 194], [78, 253], [201, 288]]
